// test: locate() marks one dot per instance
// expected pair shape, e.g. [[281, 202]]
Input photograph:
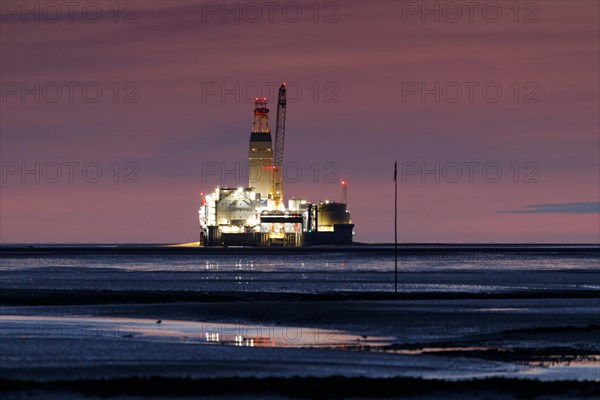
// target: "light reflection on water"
[[36, 328], [310, 262], [306, 273], [30, 327]]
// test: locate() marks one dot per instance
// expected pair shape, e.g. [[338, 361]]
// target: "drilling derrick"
[[261, 116], [277, 187], [260, 154]]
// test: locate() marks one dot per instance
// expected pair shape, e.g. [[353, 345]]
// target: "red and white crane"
[[277, 188]]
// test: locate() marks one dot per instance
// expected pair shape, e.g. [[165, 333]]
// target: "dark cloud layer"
[[589, 207]]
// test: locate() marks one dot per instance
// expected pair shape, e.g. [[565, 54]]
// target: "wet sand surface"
[[451, 340], [538, 338]]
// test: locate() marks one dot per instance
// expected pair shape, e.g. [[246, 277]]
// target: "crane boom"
[[278, 148]]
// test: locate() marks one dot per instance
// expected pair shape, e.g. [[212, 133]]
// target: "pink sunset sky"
[[177, 81]]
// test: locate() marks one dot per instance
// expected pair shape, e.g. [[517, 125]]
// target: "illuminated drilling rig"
[[256, 215]]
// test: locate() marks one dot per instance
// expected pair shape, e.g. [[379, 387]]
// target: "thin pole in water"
[[396, 226]]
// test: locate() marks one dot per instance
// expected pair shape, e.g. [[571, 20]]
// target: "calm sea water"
[[308, 273]]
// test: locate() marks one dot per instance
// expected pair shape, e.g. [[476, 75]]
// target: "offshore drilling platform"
[[256, 215]]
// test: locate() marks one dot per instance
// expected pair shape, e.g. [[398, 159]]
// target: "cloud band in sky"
[[583, 207]]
